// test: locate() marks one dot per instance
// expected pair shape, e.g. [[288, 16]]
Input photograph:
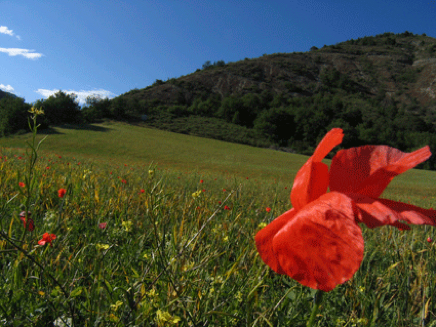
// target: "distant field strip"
[[123, 143]]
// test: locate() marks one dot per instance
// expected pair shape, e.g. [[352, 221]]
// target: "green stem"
[[316, 303]]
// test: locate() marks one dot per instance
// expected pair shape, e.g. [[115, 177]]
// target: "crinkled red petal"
[[322, 245], [312, 179], [369, 169], [379, 212], [264, 239]]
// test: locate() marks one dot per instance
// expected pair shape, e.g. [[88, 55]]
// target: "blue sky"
[[108, 47]]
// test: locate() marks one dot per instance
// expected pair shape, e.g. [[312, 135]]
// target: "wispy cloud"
[[6, 88], [29, 54], [81, 95], [5, 30]]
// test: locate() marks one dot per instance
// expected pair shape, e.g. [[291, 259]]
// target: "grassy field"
[[157, 229]]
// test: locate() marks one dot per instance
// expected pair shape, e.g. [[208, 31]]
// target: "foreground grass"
[[176, 246]]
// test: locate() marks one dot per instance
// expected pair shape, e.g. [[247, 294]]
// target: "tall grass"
[[139, 244]]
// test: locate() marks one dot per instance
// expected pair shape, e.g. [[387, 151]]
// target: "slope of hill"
[[380, 90], [119, 144], [389, 63]]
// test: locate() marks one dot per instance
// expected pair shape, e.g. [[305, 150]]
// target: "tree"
[[95, 108], [13, 115], [277, 124], [60, 108], [207, 64]]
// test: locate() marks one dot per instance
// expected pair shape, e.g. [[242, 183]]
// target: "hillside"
[[386, 63], [379, 89], [122, 145]]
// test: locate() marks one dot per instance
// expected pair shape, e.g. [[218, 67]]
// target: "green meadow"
[[157, 229]]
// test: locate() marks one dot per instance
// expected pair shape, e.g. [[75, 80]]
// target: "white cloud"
[[6, 88], [5, 30], [81, 95], [29, 54]]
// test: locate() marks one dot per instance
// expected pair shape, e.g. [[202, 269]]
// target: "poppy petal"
[[322, 246], [369, 169], [312, 179], [264, 239], [379, 212]]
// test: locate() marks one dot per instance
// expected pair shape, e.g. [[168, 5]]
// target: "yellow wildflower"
[[127, 225], [164, 318], [102, 246]]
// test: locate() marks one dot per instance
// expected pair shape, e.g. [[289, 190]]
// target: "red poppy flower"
[[319, 242], [47, 238], [142, 190], [201, 181], [429, 240], [61, 192], [21, 184], [268, 209], [102, 225], [226, 207], [27, 221]]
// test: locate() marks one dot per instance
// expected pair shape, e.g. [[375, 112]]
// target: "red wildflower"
[[201, 181], [226, 207], [102, 225], [21, 184], [268, 209], [429, 240], [142, 190], [61, 192], [219, 202], [224, 189], [47, 238], [123, 181], [318, 242], [27, 221]]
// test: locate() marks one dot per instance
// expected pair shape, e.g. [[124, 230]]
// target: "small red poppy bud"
[[268, 209], [62, 192], [429, 240]]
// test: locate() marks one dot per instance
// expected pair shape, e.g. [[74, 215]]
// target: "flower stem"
[[316, 303]]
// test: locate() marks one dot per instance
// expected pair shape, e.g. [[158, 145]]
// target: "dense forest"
[[379, 89]]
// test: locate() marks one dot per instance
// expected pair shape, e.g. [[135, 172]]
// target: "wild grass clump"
[[137, 245]]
